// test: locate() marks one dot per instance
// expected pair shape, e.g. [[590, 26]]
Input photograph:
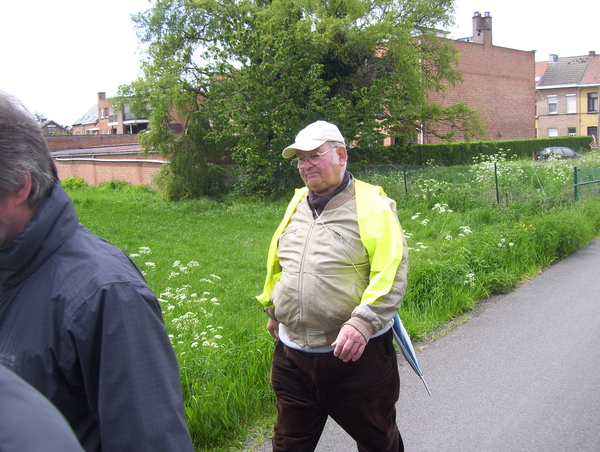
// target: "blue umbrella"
[[406, 348]]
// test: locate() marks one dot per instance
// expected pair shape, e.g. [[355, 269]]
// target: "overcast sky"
[[57, 55]]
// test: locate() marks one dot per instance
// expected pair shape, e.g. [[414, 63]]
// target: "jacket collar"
[[53, 222]]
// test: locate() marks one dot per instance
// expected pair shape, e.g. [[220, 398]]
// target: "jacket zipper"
[[301, 276]]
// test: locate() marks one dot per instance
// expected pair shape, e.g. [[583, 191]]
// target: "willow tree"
[[247, 75]]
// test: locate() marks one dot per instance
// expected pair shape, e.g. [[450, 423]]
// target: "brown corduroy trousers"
[[360, 396]]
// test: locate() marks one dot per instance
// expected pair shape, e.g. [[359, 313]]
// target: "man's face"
[[14, 216], [325, 176]]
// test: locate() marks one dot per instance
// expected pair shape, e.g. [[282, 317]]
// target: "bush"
[[72, 183], [141, 188], [116, 185], [462, 153]]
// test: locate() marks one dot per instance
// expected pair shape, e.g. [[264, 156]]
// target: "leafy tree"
[[258, 71], [39, 117]]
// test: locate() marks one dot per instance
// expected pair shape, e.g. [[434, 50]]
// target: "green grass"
[[206, 261]]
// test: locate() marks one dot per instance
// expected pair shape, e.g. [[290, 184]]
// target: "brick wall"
[[133, 168], [500, 83]]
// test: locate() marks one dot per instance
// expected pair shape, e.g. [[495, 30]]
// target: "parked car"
[[558, 152]]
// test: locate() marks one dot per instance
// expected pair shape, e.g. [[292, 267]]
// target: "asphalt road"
[[522, 375]]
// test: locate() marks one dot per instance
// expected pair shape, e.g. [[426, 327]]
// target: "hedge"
[[462, 153]]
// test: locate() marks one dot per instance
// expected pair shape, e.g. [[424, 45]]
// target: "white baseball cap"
[[313, 136]]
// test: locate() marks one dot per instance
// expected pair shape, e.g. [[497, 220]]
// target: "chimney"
[[592, 53], [101, 96], [482, 28], [553, 58]]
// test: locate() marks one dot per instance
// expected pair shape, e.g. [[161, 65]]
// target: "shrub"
[[116, 185], [72, 183]]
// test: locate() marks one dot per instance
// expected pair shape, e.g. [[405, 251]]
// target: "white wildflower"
[[470, 279]]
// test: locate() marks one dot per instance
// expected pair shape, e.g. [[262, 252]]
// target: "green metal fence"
[[499, 183], [591, 174]]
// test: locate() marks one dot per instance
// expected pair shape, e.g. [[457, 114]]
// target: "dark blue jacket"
[[79, 323]]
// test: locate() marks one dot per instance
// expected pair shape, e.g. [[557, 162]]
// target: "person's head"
[[321, 156], [27, 172], [23, 150]]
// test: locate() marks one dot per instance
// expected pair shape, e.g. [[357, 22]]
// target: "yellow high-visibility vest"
[[380, 234]]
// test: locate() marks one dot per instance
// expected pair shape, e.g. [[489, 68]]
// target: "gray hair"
[[23, 149]]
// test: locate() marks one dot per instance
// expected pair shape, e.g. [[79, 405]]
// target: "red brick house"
[[87, 124], [104, 147], [105, 118], [498, 82], [51, 128]]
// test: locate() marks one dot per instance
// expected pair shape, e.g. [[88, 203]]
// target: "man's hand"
[[350, 344], [273, 327]]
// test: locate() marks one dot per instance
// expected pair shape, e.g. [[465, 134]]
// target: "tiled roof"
[[90, 117], [540, 67], [48, 122], [592, 72], [566, 71], [133, 148]]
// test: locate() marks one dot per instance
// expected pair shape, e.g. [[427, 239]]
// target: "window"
[[571, 131], [592, 102], [552, 133], [571, 103], [552, 105]]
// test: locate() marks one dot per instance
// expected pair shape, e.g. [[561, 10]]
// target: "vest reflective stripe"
[[380, 234]]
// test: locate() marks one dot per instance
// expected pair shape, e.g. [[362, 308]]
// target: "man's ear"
[[22, 194], [342, 154]]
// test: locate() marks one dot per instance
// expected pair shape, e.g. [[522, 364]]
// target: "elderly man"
[[336, 275], [77, 320]]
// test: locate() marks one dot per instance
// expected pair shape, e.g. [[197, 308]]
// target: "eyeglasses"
[[313, 159]]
